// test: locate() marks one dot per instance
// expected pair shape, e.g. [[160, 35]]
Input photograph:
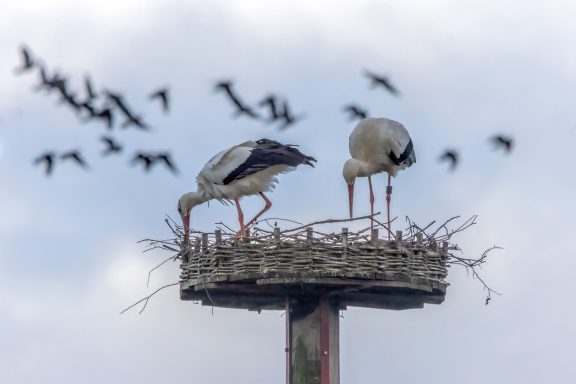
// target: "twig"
[[173, 258], [329, 221], [279, 219], [225, 226], [147, 298], [471, 264]]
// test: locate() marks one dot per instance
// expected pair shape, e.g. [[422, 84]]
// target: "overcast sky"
[[69, 258]]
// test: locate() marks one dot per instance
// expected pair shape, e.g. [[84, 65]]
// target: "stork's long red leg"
[[388, 198], [266, 207], [240, 217], [371, 202]]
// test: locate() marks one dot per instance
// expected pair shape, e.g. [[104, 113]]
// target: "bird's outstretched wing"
[[76, 156]]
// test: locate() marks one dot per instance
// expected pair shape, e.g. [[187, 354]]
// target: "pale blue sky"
[[69, 261]]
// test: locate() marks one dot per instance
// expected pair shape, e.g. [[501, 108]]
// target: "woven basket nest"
[[304, 252]]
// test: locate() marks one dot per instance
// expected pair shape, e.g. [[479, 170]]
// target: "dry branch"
[[147, 298]]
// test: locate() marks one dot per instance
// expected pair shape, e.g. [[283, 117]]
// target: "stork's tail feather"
[[309, 160], [288, 153], [297, 157]]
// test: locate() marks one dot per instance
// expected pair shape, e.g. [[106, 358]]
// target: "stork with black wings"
[[377, 145], [245, 169]]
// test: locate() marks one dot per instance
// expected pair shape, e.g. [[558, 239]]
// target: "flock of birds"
[[105, 107], [278, 109], [376, 144]]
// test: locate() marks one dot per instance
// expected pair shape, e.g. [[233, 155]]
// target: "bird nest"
[[262, 268], [269, 268], [212, 257]]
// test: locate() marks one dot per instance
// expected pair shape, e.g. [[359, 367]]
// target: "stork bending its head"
[[377, 145], [245, 169]]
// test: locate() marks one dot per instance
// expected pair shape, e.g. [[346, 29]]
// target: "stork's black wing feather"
[[404, 156], [268, 153]]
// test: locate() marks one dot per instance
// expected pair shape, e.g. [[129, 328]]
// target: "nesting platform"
[[270, 269]]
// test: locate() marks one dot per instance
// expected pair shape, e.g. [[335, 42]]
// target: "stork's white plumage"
[[377, 145], [245, 169]]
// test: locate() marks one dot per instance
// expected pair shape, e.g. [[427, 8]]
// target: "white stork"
[[245, 169], [377, 145]]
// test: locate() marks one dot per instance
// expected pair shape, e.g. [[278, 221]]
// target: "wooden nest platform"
[[271, 269]]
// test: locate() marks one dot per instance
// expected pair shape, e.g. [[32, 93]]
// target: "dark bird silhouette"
[[88, 107], [270, 102], [27, 61], [70, 99], [135, 121], [383, 81], [144, 158], [48, 158], [90, 93], [118, 100], [241, 108], [504, 142], [75, 156], [162, 94], [51, 83], [355, 111], [149, 159], [131, 118], [450, 156], [104, 114], [45, 82], [111, 146], [288, 117], [166, 158]]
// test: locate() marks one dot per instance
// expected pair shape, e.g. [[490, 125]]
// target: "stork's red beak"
[[351, 198], [186, 223]]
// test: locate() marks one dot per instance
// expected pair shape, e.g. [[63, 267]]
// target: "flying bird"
[[76, 157], [450, 156], [144, 158], [45, 82], [355, 111], [104, 114], [288, 117], [166, 158], [270, 101], [504, 142], [135, 121], [162, 94], [111, 145], [90, 93], [131, 118], [245, 169], [70, 99], [241, 107], [377, 145], [48, 158], [55, 82], [378, 80], [27, 61]]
